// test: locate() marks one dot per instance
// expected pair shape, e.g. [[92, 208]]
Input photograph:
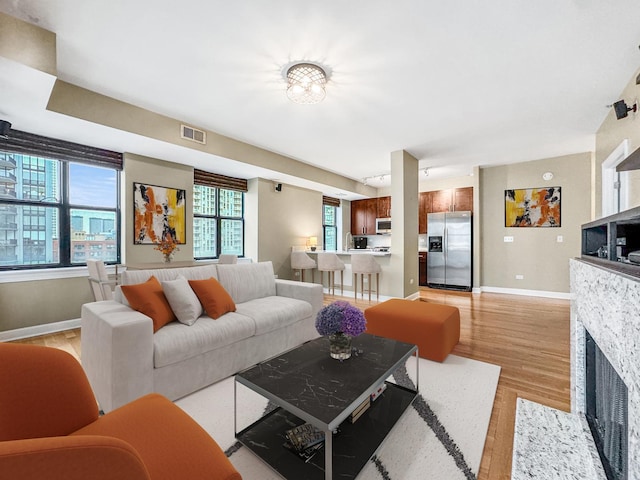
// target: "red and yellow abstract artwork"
[[159, 214], [532, 207]]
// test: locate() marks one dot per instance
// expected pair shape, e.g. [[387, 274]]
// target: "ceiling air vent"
[[193, 134]]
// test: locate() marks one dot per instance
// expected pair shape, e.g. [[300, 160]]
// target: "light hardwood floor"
[[527, 336]]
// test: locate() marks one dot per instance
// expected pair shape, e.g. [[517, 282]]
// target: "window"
[[53, 212], [329, 227], [218, 222]]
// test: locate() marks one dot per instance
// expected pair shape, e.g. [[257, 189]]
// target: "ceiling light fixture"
[[425, 171], [305, 83]]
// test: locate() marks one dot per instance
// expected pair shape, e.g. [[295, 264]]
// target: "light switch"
[[508, 239], [559, 239]]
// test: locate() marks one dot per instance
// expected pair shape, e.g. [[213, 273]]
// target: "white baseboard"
[[528, 293], [413, 296], [36, 330]]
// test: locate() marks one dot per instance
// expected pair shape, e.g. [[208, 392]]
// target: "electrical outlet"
[[519, 277], [508, 239]]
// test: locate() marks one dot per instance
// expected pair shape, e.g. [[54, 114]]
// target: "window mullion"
[[64, 227]]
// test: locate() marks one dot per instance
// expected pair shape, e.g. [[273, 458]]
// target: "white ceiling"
[[457, 83]]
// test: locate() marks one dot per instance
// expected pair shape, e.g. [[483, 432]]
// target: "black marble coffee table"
[[310, 386]]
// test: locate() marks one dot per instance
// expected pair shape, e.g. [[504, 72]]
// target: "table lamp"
[[313, 243]]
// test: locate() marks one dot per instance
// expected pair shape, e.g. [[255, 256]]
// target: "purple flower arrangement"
[[340, 317]]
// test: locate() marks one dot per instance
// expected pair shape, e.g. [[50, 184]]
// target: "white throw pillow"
[[183, 300]]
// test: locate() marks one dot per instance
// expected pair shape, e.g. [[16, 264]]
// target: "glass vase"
[[340, 346]]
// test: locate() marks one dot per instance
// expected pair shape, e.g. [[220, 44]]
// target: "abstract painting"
[[159, 214], [532, 207]]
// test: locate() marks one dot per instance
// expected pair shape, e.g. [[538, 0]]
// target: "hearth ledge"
[[550, 443]]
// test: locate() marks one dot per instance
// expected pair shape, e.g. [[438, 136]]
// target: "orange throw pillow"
[[148, 298], [213, 297]]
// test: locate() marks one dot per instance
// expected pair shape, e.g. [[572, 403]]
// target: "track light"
[[375, 179]]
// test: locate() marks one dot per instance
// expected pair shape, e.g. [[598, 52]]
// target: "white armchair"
[[101, 286]]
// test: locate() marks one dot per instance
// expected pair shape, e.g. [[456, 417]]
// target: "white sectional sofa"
[[125, 359]]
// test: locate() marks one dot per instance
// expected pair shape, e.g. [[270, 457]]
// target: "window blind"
[[333, 202], [200, 177], [37, 145]]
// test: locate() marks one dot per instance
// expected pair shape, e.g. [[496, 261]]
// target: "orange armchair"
[[50, 428]]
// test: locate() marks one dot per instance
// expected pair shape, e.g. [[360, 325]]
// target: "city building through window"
[[329, 227], [56, 212], [218, 222]]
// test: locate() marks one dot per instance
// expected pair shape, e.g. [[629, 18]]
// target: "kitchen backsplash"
[[378, 241]]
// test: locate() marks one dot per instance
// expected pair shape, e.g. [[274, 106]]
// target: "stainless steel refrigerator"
[[449, 250]]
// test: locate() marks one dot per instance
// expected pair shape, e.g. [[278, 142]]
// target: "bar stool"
[[365, 263], [330, 263], [301, 261]]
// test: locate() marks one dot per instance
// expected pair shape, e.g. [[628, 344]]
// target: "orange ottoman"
[[434, 328]]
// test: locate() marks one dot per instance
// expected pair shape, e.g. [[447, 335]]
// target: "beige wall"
[[28, 44], [610, 134], [25, 304], [153, 172], [535, 252], [281, 220]]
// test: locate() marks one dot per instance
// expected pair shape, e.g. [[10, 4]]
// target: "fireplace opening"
[[607, 408]]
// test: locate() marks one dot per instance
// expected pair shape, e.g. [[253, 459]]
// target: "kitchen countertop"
[[354, 252]]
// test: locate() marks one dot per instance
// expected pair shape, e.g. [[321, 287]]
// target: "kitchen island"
[[382, 257]]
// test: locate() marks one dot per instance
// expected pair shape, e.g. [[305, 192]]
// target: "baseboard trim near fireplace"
[[528, 293]]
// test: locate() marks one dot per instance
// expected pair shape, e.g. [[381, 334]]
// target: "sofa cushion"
[[148, 298], [201, 272], [248, 281], [213, 297], [184, 302], [272, 313], [177, 342]]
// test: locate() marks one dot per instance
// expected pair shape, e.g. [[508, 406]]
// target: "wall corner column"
[[404, 214]]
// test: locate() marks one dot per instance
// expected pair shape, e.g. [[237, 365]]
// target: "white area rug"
[[440, 437]]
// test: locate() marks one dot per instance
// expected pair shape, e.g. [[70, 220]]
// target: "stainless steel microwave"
[[383, 226]]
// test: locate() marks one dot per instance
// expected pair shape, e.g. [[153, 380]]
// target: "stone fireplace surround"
[[549, 443], [607, 304]]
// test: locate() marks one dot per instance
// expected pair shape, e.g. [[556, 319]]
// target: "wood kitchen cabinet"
[[422, 263], [424, 208], [384, 207], [363, 216], [441, 201], [452, 200], [463, 199]]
